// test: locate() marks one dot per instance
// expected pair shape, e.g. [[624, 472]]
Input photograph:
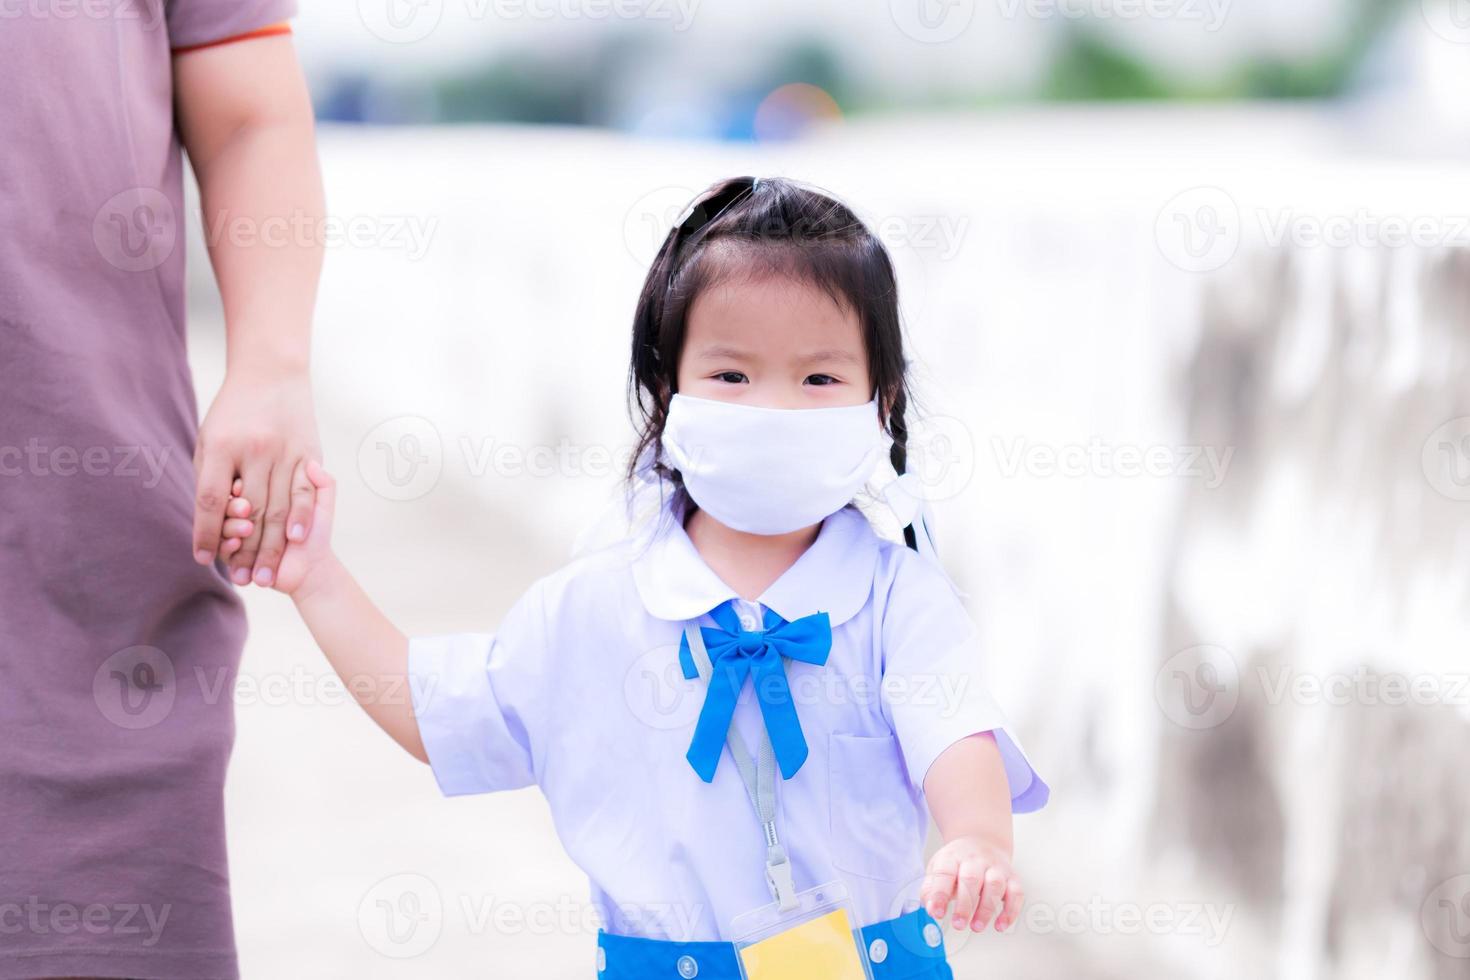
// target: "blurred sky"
[[707, 68], [996, 39]]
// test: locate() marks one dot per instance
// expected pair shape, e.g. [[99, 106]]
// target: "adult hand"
[[261, 428], [244, 115]]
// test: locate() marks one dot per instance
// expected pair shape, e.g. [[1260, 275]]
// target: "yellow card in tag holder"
[[821, 947], [814, 940]]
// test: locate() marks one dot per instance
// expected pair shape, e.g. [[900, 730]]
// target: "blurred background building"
[[1188, 293]]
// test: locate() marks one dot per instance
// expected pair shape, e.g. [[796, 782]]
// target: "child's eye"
[[731, 377], [821, 379]]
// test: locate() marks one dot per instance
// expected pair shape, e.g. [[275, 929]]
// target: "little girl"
[[826, 684]]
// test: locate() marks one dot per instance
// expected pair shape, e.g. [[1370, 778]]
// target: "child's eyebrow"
[[722, 353], [830, 354]]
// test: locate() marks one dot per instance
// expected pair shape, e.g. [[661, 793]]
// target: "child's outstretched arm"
[[368, 652], [970, 799]]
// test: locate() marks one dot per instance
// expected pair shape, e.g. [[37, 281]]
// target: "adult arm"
[[246, 121]]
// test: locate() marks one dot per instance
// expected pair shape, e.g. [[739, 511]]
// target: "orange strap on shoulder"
[[270, 31]]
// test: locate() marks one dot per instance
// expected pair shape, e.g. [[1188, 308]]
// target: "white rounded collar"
[[834, 575]]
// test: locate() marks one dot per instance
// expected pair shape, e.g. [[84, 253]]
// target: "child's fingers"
[[318, 476], [326, 490], [967, 893], [230, 546], [237, 489], [992, 894], [938, 888], [303, 501], [237, 507], [256, 488], [235, 528], [1015, 898]]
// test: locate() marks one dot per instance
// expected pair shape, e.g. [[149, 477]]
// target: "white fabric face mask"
[[772, 470]]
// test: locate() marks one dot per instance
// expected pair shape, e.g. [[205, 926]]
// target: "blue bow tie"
[[736, 653]]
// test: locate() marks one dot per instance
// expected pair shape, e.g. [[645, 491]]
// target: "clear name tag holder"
[[815, 940], [809, 935]]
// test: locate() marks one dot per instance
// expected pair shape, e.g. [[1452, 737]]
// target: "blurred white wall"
[[1155, 427]]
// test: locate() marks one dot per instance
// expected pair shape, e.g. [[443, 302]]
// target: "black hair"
[[765, 226]]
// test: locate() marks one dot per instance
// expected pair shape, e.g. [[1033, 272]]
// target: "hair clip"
[[707, 209], [700, 214]]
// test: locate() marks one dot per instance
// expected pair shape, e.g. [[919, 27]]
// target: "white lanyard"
[[759, 777]]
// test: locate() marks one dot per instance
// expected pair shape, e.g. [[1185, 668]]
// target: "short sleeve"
[[934, 689], [192, 23], [478, 698]]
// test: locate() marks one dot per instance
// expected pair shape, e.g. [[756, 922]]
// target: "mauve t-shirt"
[[117, 652]]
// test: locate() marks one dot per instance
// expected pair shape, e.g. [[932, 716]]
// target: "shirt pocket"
[[877, 820]]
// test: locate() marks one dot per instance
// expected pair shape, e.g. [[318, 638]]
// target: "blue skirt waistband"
[[910, 947]]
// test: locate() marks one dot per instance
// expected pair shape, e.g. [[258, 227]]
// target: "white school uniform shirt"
[[580, 693]]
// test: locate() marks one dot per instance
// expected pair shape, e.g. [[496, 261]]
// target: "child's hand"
[[302, 558], [977, 876], [236, 527]]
